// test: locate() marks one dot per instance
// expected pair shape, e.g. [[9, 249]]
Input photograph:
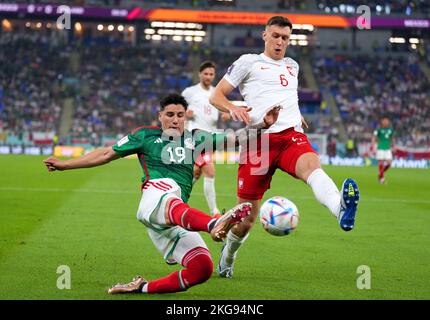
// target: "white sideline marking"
[[225, 195]]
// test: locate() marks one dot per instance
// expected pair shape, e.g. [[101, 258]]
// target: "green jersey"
[[384, 136], [163, 156]]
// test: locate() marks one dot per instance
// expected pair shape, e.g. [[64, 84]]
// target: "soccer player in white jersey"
[[265, 80], [202, 115]]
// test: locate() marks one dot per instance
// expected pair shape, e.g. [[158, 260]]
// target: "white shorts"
[[384, 155], [172, 242]]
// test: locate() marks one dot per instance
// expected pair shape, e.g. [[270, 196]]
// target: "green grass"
[[86, 219]]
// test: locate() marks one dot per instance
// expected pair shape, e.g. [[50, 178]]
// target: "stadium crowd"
[[30, 85], [404, 7], [368, 87], [117, 87]]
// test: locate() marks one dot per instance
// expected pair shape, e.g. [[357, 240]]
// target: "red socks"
[[199, 266], [387, 166], [188, 218], [381, 169]]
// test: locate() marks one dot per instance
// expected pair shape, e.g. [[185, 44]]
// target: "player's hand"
[[271, 116], [305, 123], [240, 114], [53, 164], [225, 116]]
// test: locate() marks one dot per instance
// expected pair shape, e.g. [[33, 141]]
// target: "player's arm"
[[253, 131], [222, 141], [189, 114], [93, 159], [219, 100]]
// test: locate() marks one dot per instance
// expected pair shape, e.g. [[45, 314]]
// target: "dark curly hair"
[[173, 98]]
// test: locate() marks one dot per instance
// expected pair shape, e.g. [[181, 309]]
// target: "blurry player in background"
[[167, 164], [383, 137], [202, 115], [265, 80]]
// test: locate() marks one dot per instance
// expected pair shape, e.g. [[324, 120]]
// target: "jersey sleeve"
[[130, 144], [187, 94], [238, 71]]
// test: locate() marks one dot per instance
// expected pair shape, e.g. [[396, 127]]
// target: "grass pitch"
[[86, 219]]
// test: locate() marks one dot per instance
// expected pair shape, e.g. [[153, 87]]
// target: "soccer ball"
[[279, 216]]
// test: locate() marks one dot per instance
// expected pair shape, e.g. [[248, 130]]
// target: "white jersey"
[[205, 115], [264, 83]]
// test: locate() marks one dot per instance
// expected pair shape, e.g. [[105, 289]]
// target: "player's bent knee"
[[199, 269]]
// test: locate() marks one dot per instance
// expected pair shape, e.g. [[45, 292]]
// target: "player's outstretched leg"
[[198, 269], [233, 216], [381, 177], [349, 204], [234, 241], [181, 214]]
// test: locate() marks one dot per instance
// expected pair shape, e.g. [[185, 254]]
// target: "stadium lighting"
[[414, 40], [198, 39], [189, 33], [180, 25], [293, 42], [308, 27], [157, 24], [39, 25], [120, 28], [188, 38], [397, 40], [169, 24], [200, 33], [149, 31], [49, 25], [148, 37], [156, 37], [414, 46], [298, 37], [7, 24], [100, 27], [111, 27], [302, 43], [177, 38], [78, 27], [131, 29], [28, 24]]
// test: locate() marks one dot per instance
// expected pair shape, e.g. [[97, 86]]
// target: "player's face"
[[276, 40], [385, 123], [207, 76], [172, 119]]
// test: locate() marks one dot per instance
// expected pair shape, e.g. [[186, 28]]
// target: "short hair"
[[279, 21], [173, 98], [207, 64]]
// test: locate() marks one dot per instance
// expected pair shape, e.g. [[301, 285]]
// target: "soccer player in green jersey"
[[383, 136], [167, 156]]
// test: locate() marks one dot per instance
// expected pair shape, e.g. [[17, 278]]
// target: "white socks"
[[209, 191], [325, 190], [232, 244]]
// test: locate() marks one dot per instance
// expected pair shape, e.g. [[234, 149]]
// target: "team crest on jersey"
[[189, 143], [240, 183]]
